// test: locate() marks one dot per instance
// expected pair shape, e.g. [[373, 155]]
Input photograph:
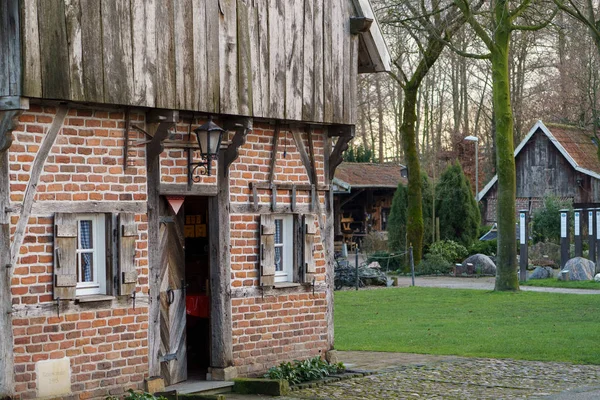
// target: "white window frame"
[[98, 286], [287, 246]]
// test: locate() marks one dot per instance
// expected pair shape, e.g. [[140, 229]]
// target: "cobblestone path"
[[462, 378]]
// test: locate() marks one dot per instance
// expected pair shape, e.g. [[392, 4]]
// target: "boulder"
[[541, 273], [482, 264], [597, 278], [579, 269]]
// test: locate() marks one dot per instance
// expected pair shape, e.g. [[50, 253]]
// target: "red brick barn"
[[124, 254]]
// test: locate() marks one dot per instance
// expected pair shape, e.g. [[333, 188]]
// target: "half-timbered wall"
[[293, 60], [107, 341]]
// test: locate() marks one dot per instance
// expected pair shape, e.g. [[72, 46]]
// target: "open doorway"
[[197, 277]]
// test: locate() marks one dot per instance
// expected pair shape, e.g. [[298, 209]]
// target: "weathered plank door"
[[172, 296]]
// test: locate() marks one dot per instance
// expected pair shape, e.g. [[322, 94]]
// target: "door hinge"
[[168, 357]]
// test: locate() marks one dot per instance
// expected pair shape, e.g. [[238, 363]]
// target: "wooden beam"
[[34, 178], [80, 207], [303, 154], [311, 154], [6, 343], [274, 152], [266, 208], [221, 353], [10, 43], [175, 189], [352, 197], [288, 186], [10, 103]]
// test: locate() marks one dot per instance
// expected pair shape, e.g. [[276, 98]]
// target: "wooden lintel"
[[185, 190], [274, 152], [10, 103], [288, 186], [80, 207], [337, 155], [264, 208], [303, 154], [156, 115]]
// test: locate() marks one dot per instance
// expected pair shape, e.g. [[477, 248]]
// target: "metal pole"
[[477, 171], [412, 265], [356, 268]]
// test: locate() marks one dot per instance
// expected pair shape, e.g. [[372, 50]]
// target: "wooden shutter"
[[267, 250], [128, 234], [65, 256], [309, 230]]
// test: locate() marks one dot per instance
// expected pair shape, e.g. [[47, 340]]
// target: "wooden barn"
[[553, 160], [166, 207], [363, 194]]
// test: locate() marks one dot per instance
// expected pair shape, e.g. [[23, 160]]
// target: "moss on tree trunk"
[[506, 278], [414, 217]]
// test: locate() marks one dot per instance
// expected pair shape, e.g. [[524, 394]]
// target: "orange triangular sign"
[[175, 202]]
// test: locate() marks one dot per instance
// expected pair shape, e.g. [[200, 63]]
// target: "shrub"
[[398, 215], [304, 371], [546, 220], [456, 207], [433, 264], [487, 247], [137, 395], [449, 251], [373, 242]]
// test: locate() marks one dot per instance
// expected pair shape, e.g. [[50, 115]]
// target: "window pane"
[[85, 235], [278, 231], [278, 259], [86, 267]]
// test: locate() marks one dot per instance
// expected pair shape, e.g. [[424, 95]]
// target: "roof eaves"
[[374, 41]]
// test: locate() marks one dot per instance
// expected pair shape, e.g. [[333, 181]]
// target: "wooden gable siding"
[[291, 60], [542, 170], [10, 52]]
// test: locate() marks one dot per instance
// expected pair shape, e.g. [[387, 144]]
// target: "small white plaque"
[[590, 223], [53, 377], [522, 227], [563, 225], [577, 227]]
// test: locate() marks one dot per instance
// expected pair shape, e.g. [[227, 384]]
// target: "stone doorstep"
[[201, 387]]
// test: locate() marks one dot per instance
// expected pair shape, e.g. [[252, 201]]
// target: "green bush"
[[433, 264], [487, 247], [398, 215], [397, 261], [304, 371], [448, 250], [546, 220], [456, 207]]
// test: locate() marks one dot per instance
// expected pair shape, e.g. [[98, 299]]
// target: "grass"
[[553, 282], [474, 323]]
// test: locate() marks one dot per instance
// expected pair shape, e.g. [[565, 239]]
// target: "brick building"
[[123, 256]]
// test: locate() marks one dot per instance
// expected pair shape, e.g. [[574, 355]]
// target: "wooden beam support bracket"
[[337, 155], [303, 154], [242, 128]]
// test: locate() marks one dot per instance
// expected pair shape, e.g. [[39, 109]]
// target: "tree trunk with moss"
[[506, 278], [414, 217]]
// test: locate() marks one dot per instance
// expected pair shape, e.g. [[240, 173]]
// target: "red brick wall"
[[284, 325], [107, 342]]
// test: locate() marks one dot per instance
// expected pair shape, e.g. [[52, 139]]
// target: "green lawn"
[[553, 282], [523, 325]]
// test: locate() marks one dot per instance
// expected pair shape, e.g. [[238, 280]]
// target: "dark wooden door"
[[172, 296]]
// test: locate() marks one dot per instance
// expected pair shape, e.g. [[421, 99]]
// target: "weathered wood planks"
[[287, 60]]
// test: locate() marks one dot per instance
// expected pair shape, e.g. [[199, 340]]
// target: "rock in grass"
[[580, 269], [482, 264], [541, 273], [597, 278]]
